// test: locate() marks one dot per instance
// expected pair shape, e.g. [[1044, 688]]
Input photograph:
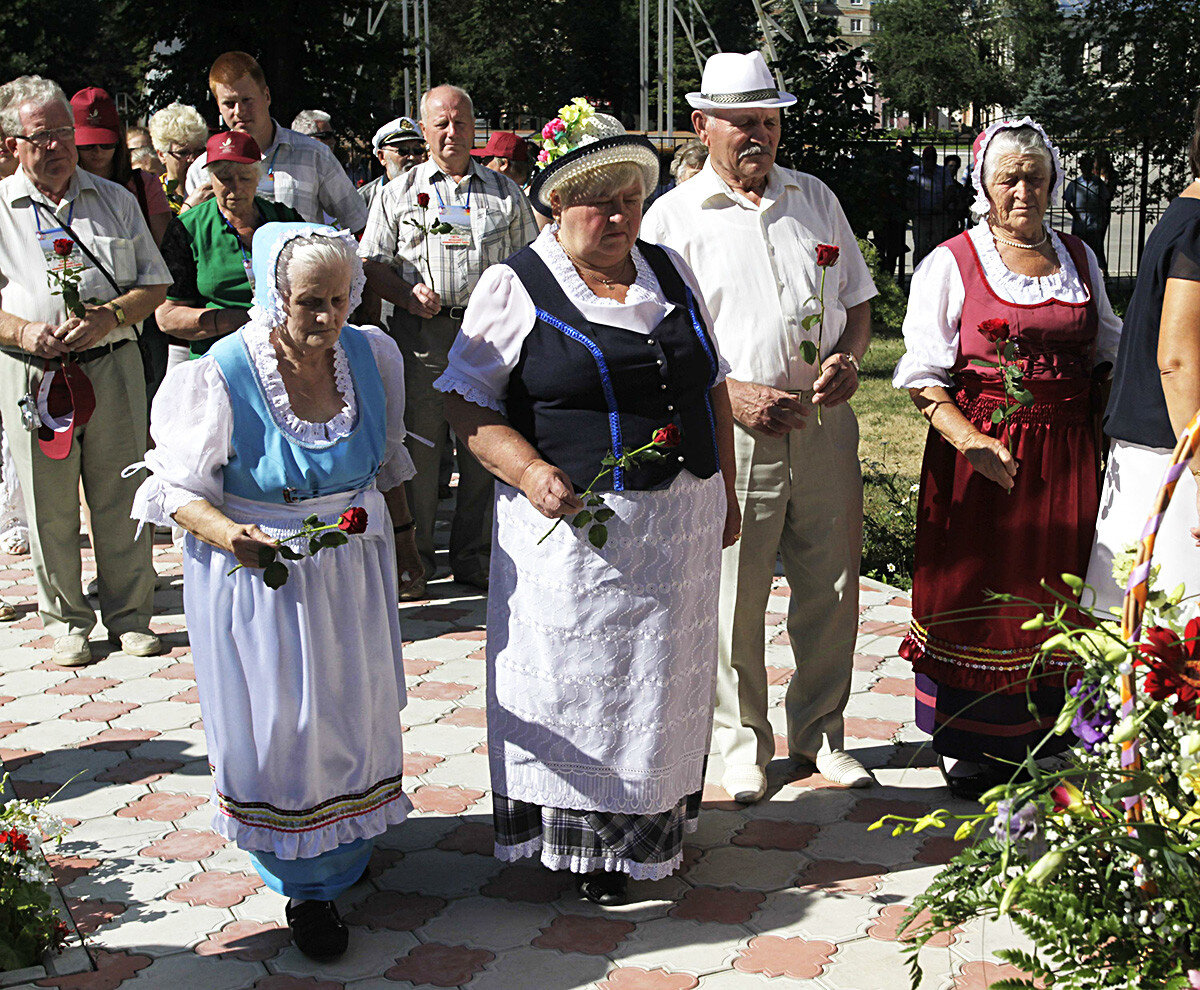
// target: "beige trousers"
[[114, 438], [801, 500]]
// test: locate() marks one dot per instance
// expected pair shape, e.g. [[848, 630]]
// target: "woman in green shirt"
[[208, 247]]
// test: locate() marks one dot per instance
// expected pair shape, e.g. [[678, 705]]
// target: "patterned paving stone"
[[216, 888], [440, 965], [251, 941], [775, 956], [394, 911], [113, 969], [636, 978], [722, 906], [575, 933]]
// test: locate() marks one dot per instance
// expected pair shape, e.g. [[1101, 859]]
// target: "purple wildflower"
[[1094, 718], [1015, 825]]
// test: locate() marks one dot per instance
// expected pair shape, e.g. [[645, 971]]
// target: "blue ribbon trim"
[[610, 396], [712, 362]]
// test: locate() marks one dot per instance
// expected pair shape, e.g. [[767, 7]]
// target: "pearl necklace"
[[1019, 244]]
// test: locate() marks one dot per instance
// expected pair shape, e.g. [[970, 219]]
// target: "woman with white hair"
[[209, 248], [178, 133], [1009, 485], [602, 642], [291, 423]]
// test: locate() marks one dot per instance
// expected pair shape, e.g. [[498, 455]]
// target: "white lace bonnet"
[[269, 241], [982, 205]]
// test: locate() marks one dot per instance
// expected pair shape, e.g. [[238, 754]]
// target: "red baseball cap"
[[65, 401], [232, 146], [504, 144], [96, 120]]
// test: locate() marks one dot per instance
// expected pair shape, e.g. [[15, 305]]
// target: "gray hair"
[[312, 252], [177, 123], [222, 168], [692, 154], [457, 90], [600, 183], [306, 121], [28, 91], [1016, 141]]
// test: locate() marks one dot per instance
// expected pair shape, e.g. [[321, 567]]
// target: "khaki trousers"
[[113, 438], [801, 499], [425, 345]]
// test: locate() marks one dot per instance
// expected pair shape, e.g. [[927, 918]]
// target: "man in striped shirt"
[[429, 278]]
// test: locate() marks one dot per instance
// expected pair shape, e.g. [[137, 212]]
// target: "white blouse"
[[936, 296], [192, 424], [501, 314]]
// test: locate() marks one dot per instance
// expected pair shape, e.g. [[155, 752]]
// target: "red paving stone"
[[89, 915], [112, 969], [440, 965], [834, 877], [718, 905], [774, 956], [161, 807], [250, 941], [591, 936], [393, 911], [83, 685], [871, 728], [440, 690], [186, 844], [768, 833], [636, 978], [216, 888], [443, 799], [470, 837], [890, 926], [467, 717]]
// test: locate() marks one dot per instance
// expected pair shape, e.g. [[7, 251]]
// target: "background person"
[[749, 230], [990, 518], [1156, 391], [399, 146], [490, 219], [48, 193], [508, 154], [179, 134], [601, 661], [141, 150], [209, 249], [300, 705], [300, 171], [1089, 201]]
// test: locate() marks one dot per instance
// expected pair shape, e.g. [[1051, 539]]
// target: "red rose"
[[353, 520], [16, 840], [667, 436], [63, 246], [827, 255], [995, 330], [422, 200], [1173, 666]]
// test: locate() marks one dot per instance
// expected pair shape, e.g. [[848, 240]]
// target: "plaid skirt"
[[647, 847]]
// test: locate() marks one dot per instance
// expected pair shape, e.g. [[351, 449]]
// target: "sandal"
[[8, 612], [317, 929], [603, 887]]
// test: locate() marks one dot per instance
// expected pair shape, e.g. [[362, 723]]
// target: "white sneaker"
[[745, 784], [839, 767]]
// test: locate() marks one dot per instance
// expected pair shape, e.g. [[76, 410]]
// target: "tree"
[[927, 55]]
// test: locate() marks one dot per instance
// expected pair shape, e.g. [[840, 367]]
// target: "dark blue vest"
[[582, 389]]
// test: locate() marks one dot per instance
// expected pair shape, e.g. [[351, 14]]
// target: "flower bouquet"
[[1096, 860], [596, 514], [319, 537], [29, 924]]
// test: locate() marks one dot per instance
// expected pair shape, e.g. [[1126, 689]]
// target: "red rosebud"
[[995, 330], [63, 246], [19, 841], [667, 436], [422, 200], [353, 520], [827, 255]]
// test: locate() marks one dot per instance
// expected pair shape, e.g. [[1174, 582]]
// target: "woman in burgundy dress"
[[1003, 505]]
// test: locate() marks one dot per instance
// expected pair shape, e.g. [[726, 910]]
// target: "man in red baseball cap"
[[508, 154]]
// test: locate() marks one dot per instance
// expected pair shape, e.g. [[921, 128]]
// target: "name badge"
[[459, 238], [456, 216], [73, 261]]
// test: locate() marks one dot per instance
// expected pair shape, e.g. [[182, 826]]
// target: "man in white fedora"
[[750, 230]]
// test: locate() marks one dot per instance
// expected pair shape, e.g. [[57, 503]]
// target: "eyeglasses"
[[97, 147], [43, 139], [405, 152], [325, 135], [182, 156]]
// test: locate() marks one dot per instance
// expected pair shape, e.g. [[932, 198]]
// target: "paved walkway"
[[792, 892]]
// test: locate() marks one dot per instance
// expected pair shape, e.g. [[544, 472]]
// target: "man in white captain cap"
[[750, 231]]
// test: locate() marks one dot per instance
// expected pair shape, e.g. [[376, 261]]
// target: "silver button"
[[650, 341], [663, 387], [659, 362], [670, 408], [679, 458]]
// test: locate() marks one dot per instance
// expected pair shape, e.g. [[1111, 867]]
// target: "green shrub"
[[889, 525], [887, 308]]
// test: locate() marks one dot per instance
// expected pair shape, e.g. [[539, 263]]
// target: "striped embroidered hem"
[[257, 814], [982, 669]]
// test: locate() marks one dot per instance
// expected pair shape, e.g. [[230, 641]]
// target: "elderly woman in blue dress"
[[601, 659], [295, 415]]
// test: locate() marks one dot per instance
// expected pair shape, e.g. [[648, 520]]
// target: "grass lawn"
[[891, 431]]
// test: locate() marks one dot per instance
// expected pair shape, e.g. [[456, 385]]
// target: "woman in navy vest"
[[601, 661], [294, 415]]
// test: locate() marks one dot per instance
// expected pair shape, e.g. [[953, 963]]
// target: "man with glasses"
[[178, 132], [299, 171], [399, 146], [50, 210]]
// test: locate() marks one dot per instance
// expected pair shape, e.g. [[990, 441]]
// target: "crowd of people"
[[667, 371]]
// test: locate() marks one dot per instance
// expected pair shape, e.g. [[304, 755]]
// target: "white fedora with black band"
[[733, 81]]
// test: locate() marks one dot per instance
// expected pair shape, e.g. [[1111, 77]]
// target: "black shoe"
[[477, 580], [603, 887], [316, 929]]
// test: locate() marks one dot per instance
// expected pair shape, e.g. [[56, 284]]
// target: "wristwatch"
[[853, 360], [117, 311]]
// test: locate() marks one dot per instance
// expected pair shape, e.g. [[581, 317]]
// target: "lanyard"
[[441, 202], [271, 163], [246, 264], [38, 219]]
